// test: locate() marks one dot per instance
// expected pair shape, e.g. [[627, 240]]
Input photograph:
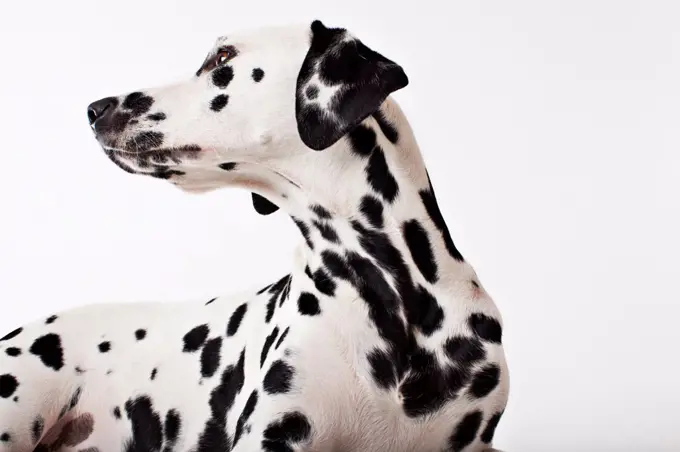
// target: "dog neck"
[[367, 192]]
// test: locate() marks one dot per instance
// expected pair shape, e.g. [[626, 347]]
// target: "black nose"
[[101, 109]]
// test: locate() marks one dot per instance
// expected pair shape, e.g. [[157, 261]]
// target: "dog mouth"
[[160, 162]]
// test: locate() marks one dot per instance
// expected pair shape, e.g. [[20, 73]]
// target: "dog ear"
[[262, 205], [358, 79]]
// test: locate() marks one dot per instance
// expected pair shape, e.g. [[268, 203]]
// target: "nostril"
[[99, 109]]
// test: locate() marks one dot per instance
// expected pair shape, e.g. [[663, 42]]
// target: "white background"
[[551, 130]]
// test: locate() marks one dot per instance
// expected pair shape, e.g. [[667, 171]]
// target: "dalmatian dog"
[[380, 337]]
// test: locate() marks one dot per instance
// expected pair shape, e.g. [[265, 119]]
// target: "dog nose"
[[101, 109]]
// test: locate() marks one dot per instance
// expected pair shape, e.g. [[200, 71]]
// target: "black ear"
[[360, 78], [262, 205]]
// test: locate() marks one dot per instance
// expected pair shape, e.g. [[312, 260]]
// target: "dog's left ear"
[[357, 78], [262, 205]]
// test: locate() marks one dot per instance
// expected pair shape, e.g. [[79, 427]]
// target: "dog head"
[[259, 96]]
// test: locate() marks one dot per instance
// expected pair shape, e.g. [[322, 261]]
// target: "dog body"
[[381, 338]]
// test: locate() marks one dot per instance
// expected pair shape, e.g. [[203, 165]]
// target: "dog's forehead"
[[270, 38]]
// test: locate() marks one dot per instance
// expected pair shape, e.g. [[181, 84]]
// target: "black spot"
[[421, 250], [426, 388], [8, 384], [257, 74], [382, 368], [490, 429], [465, 431], [305, 232], [279, 378], [12, 334], [222, 76], [293, 427], [104, 346], [37, 428], [485, 381], [312, 92], [154, 372], [264, 289], [236, 319], [13, 351], [157, 117], [116, 413], [275, 290], [248, 410], [323, 282], [172, 427], [363, 140], [268, 344], [147, 430], [380, 177], [464, 351], [138, 103], [145, 141], [228, 166], [75, 398], [284, 294], [308, 304], [48, 349], [51, 319], [5, 437], [321, 212], [428, 316], [430, 202], [214, 436], [486, 327], [219, 102], [195, 338], [79, 370], [211, 301], [335, 264], [372, 209], [281, 339], [327, 231], [210, 357], [386, 127], [140, 334]]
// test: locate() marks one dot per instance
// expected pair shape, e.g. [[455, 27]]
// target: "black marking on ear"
[[219, 102], [366, 79], [465, 431], [490, 429], [262, 205], [228, 166], [386, 127], [421, 250], [258, 75], [222, 76], [12, 334]]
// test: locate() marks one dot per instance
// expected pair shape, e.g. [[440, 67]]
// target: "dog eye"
[[224, 55]]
